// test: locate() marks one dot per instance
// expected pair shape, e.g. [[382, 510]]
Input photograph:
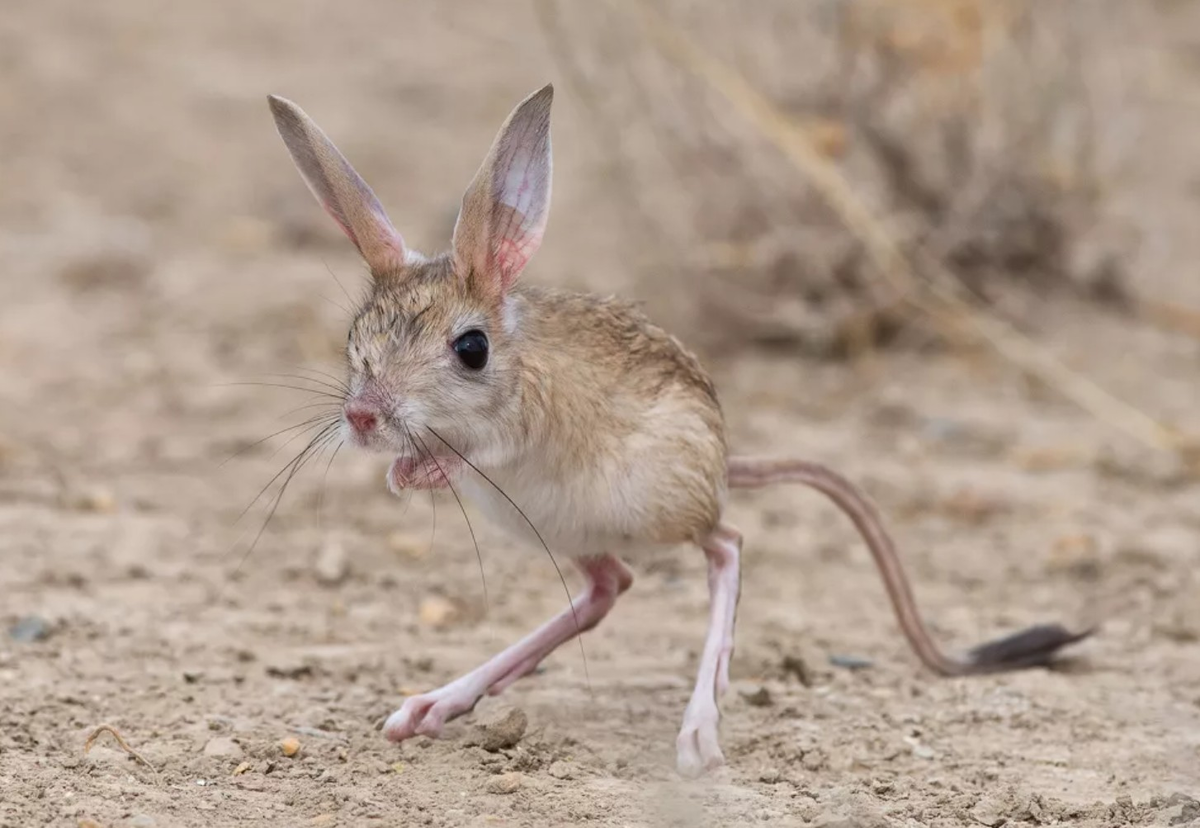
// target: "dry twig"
[[107, 728]]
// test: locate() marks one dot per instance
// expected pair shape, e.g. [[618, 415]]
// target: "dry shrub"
[[984, 133]]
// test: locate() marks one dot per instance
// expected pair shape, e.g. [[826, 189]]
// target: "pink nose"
[[362, 420]]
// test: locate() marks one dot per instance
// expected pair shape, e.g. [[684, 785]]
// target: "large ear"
[[504, 210], [340, 189]]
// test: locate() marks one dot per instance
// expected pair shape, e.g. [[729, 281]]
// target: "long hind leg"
[[698, 746]]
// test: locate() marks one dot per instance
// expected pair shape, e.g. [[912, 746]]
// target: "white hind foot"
[[698, 747]]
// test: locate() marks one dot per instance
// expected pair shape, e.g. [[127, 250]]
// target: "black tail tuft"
[[1032, 647]]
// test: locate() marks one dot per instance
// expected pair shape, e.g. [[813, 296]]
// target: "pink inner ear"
[[516, 239], [513, 254], [345, 227]]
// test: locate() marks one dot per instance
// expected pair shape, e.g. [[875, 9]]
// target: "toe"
[[432, 722], [698, 748], [404, 723], [687, 759]]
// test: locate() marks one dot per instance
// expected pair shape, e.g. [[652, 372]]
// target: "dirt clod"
[[503, 732], [505, 783], [561, 770]]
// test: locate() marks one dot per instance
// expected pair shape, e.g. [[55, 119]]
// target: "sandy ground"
[[157, 248]]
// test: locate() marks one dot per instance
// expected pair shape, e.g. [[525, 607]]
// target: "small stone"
[[407, 546], [142, 821], [89, 823], [770, 776], [289, 670], [223, 747], [438, 611], [561, 770], [924, 752], [331, 566], [290, 746], [794, 665], [504, 732], [990, 811], [760, 697], [850, 662], [29, 629], [240, 769], [505, 783], [94, 499]]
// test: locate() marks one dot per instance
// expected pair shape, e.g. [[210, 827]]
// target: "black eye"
[[472, 349]]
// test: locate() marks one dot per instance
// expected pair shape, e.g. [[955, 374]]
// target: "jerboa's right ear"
[[340, 189]]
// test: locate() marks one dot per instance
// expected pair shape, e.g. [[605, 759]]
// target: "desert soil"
[[158, 250]]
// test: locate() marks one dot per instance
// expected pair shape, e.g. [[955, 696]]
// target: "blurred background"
[[944, 245]]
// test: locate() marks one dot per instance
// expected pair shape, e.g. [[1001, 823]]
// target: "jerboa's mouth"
[[421, 473]]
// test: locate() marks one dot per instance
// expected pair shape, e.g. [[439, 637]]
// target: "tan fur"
[[599, 425]]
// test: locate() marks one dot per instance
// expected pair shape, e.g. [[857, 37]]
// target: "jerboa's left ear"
[[504, 211]]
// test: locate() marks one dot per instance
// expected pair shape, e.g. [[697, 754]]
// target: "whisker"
[[335, 380], [281, 472], [336, 304], [309, 422], [329, 420], [315, 445], [312, 391], [299, 408], [325, 483], [349, 298], [557, 569], [470, 528], [320, 383]]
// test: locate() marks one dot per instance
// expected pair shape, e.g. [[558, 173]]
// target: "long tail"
[[1029, 648]]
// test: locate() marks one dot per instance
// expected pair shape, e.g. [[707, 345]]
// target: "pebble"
[[290, 746], [29, 629], [760, 697], [850, 662], [224, 747], [561, 770], [142, 821], [503, 732], [331, 566], [407, 546], [505, 783], [438, 611], [795, 665], [98, 500]]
